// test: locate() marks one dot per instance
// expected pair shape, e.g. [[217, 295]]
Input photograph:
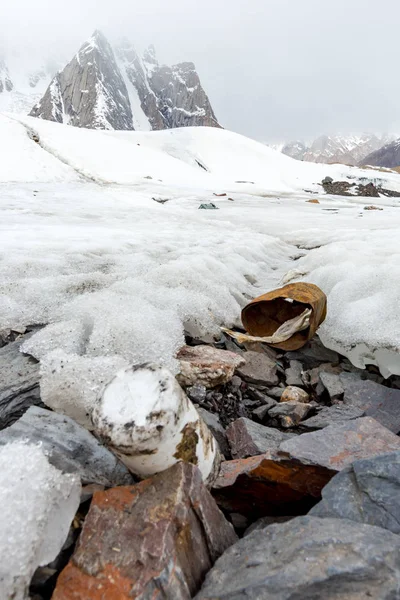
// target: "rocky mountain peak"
[[388, 156], [103, 89], [89, 91]]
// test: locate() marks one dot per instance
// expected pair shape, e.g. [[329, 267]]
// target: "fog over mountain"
[[275, 70]]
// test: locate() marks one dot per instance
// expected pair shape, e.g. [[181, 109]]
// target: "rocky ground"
[[305, 504]]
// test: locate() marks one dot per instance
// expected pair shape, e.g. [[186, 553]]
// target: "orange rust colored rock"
[[265, 314], [269, 484], [154, 540], [313, 201]]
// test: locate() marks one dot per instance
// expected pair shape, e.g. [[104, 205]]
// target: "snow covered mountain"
[[387, 156], [345, 149], [102, 88], [89, 91]]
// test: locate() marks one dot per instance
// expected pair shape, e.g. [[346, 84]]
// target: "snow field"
[[119, 277]]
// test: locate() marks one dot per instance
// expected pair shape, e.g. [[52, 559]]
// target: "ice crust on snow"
[[120, 277], [38, 504]]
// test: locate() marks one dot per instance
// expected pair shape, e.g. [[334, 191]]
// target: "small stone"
[[157, 539], [337, 446], [207, 366], [197, 393], [293, 374], [259, 369], [331, 415], [289, 414], [308, 557], [213, 423], [261, 413], [378, 401], [333, 385], [247, 438], [276, 392], [368, 491], [236, 382], [294, 394]]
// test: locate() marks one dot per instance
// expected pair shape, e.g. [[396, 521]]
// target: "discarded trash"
[[219, 195], [372, 207], [313, 201], [295, 310], [283, 333], [209, 206], [146, 419]]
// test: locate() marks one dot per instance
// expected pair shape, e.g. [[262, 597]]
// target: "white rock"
[[148, 421], [38, 504]]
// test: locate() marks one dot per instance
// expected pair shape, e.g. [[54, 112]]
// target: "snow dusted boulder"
[[144, 416], [68, 446], [38, 504]]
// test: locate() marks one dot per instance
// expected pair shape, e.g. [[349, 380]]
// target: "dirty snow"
[[38, 503], [126, 275]]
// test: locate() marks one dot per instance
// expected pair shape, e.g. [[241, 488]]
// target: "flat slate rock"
[[337, 446], [19, 382], [378, 401], [213, 423], [152, 541], [68, 446], [207, 366], [367, 492], [259, 369], [311, 558], [247, 438], [332, 415]]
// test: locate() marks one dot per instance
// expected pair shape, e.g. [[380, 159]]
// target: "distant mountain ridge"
[[345, 149], [109, 87], [387, 156]]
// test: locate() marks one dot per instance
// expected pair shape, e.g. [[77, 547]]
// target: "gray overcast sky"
[[273, 69]]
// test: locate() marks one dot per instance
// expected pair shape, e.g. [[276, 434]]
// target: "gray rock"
[[197, 393], [337, 446], [247, 438], [293, 373], [19, 383], [259, 369], [289, 414], [266, 522], [313, 354], [69, 447], [311, 558], [367, 492], [332, 384], [261, 413], [213, 423], [90, 80], [276, 392], [331, 415], [378, 401]]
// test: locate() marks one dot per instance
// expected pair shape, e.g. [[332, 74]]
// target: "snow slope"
[[124, 275]]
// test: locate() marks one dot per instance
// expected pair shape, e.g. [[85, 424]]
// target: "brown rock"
[[259, 369], [294, 394], [269, 484], [206, 365], [247, 438], [337, 446], [313, 201], [155, 540]]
